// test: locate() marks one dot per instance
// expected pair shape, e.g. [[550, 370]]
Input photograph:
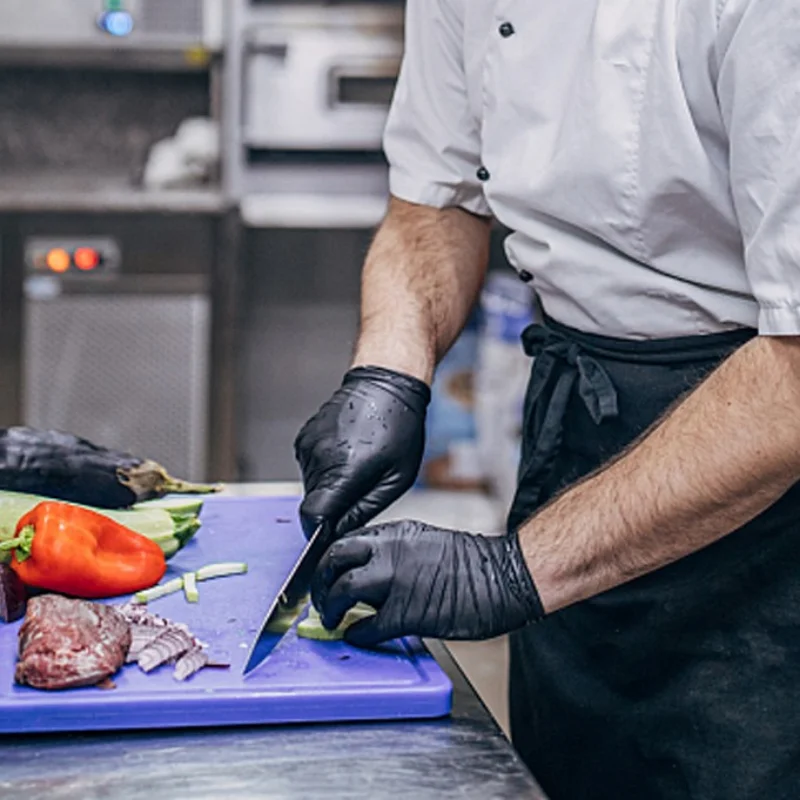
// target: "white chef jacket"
[[646, 153]]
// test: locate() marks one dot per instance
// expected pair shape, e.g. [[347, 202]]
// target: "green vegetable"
[[286, 617], [312, 628], [183, 505], [170, 587], [188, 582], [190, 587], [169, 523], [220, 571]]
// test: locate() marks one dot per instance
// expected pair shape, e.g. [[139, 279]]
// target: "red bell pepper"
[[78, 552]]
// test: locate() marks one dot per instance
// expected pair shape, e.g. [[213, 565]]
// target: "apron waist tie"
[[564, 356], [565, 361]]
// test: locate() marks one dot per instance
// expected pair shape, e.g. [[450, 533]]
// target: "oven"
[[109, 336], [320, 79], [113, 32]]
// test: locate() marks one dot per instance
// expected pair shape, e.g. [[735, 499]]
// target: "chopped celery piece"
[[190, 587], [220, 570], [312, 628], [170, 587]]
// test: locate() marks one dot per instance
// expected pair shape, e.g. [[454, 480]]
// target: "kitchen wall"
[[81, 121], [299, 317]]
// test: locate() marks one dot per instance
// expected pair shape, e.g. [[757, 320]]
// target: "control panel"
[[87, 258], [82, 26]]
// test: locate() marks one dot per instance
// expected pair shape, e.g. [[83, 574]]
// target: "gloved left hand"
[[426, 581]]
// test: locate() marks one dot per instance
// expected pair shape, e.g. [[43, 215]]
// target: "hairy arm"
[[420, 281], [719, 458], [732, 447]]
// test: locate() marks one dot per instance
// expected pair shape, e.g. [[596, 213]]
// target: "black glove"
[[426, 581], [363, 448]]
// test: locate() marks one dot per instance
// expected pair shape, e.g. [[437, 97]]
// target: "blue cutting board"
[[303, 681]]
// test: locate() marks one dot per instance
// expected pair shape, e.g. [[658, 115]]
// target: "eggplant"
[[65, 467], [12, 595]]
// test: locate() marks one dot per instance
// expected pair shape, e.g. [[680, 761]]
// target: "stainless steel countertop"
[[465, 755]]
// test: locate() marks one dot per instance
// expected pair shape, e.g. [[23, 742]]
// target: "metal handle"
[[367, 83]]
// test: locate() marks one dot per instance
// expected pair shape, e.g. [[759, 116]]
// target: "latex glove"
[[426, 581], [363, 448]]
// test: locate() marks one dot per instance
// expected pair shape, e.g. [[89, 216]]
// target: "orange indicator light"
[[86, 258], [58, 260]]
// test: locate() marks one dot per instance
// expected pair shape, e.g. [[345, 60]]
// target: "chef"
[[646, 156]]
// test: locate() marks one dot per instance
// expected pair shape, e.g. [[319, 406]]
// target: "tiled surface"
[[485, 663]]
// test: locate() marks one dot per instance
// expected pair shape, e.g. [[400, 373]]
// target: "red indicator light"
[[58, 259], [86, 258]]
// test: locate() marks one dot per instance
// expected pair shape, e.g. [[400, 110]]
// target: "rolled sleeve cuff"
[[437, 195], [781, 320]]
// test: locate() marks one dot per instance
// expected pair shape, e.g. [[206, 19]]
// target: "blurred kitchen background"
[[187, 192]]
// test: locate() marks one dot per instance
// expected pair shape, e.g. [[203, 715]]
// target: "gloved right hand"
[[363, 448]]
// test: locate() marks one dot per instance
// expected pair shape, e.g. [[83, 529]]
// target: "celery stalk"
[[220, 570], [190, 587], [162, 590]]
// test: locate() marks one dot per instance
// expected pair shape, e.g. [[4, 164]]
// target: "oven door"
[[321, 81], [116, 350]]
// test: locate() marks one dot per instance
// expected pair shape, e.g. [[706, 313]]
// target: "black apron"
[[684, 683]]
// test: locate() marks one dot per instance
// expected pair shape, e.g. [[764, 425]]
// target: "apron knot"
[[555, 353], [559, 363]]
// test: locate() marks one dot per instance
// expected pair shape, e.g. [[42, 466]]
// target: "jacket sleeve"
[[432, 138], [758, 86]]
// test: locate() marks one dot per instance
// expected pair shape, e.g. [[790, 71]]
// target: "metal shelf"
[[59, 192]]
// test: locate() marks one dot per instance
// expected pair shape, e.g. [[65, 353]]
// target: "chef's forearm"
[[421, 278], [719, 458]]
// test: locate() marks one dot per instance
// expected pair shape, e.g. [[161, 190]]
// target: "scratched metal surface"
[[465, 756]]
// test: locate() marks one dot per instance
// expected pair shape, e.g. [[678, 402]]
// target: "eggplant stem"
[[149, 479]]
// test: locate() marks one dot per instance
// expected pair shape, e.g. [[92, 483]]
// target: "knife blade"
[[294, 588]]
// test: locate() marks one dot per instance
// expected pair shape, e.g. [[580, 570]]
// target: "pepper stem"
[[149, 479], [21, 544]]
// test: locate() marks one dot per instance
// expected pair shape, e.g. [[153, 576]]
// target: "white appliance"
[[59, 29]]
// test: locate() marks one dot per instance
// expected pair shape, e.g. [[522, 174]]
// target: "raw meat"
[[67, 643]]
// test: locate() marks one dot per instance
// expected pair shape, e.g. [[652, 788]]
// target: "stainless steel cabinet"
[[121, 353]]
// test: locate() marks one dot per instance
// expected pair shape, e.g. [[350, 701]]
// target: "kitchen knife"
[[293, 590]]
